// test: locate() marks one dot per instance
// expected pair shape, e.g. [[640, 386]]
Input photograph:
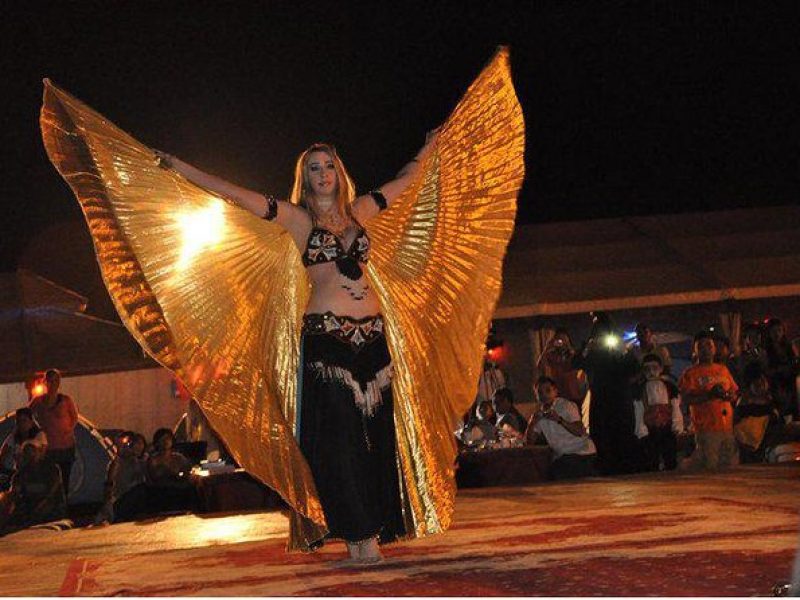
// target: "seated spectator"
[[658, 416], [757, 422], [140, 446], [559, 421], [708, 389], [168, 475], [506, 414], [646, 344], [37, 494], [556, 363], [25, 428], [481, 427], [167, 487], [125, 472]]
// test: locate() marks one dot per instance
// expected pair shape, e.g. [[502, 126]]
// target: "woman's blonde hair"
[[345, 192]]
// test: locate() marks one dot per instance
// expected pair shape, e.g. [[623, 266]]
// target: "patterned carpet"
[[668, 536]]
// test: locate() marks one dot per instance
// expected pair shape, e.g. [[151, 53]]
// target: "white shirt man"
[[559, 421]]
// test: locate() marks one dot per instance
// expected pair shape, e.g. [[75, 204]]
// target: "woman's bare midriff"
[[332, 291]]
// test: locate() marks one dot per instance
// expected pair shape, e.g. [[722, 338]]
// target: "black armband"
[[380, 199], [272, 208]]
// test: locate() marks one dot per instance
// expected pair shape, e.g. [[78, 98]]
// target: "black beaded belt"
[[348, 329]]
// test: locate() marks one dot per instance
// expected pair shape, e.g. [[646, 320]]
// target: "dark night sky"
[[631, 107]]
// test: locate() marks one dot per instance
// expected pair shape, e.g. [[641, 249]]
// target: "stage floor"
[[729, 534]]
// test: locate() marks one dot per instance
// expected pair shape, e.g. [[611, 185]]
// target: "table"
[[233, 491], [503, 466]]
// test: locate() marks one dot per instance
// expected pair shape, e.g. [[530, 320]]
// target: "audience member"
[[168, 475], [752, 351], [506, 414], [37, 493], [481, 426], [57, 415], [559, 421], [708, 389], [646, 344], [125, 472], [782, 369], [556, 363], [140, 446], [490, 380], [611, 417], [658, 416], [25, 428], [757, 422]]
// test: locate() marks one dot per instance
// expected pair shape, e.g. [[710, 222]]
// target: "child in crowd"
[[657, 405], [757, 422]]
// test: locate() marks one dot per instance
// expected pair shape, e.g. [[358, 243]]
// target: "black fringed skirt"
[[346, 427]]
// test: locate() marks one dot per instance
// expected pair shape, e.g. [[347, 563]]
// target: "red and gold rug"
[[679, 536]]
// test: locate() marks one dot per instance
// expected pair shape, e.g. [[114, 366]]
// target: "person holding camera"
[[708, 388], [559, 422], [611, 373], [556, 362]]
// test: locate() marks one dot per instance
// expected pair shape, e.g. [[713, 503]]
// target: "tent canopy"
[[43, 325], [638, 262]]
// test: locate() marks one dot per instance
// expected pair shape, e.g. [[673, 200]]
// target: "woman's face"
[[321, 175]]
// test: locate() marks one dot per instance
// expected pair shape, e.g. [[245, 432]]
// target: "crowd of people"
[[36, 462], [725, 408]]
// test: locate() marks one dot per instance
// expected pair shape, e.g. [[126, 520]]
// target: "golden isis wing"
[[210, 291], [436, 264]]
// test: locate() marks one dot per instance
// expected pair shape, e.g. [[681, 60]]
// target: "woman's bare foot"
[[370, 552]]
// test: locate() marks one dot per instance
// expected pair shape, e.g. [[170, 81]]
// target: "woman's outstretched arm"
[[289, 216], [369, 205]]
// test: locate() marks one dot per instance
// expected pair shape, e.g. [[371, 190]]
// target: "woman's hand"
[[432, 135], [164, 160]]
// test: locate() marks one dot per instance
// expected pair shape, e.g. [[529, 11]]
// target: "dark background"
[[631, 107]]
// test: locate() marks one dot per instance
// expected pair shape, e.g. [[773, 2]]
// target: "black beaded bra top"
[[324, 246]]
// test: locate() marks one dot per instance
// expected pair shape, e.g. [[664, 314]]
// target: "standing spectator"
[[57, 414], [708, 389], [506, 413], [611, 417], [646, 344], [559, 421], [37, 494], [659, 417], [25, 428], [757, 423], [782, 363], [556, 363], [752, 351]]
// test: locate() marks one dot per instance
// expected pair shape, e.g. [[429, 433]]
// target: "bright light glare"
[[225, 529], [39, 389], [611, 341], [200, 229]]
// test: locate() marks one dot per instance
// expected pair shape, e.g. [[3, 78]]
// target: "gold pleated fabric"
[[436, 264], [216, 295]]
